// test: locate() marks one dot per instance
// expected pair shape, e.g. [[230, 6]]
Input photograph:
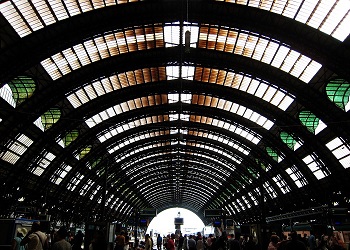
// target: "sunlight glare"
[[163, 223]]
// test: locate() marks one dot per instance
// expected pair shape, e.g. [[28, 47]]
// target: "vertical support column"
[[104, 194], [263, 228]]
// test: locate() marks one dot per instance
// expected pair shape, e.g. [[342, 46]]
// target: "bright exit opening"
[[163, 223]]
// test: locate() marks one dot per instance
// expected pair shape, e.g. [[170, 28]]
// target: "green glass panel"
[[263, 166], [70, 137], [95, 162], [271, 152], [22, 88], [233, 187], [50, 117], [252, 172], [309, 120], [84, 152], [338, 91], [288, 139]]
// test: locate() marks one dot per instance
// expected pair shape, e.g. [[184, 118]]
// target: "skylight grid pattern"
[[234, 157], [99, 48], [106, 85], [234, 128], [154, 145], [15, 148], [246, 201], [281, 183], [43, 162], [296, 176], [316, 166], [219, 163], [74, 181], [270, 190], [147, 168], [87, 184], [340, 150], [233, 108], [259, 88], [127, 106], [253, 198], [60, 173], [173, 72], [120, 158], [7, 95], [329, 16], [237, 205], [29, 16], [268, 51], [120, 144], [216, 137], [212, 189]]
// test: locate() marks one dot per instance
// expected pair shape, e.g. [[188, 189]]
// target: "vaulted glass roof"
[[148, 112]]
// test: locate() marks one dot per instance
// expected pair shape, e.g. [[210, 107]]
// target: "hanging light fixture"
[[187, 41]]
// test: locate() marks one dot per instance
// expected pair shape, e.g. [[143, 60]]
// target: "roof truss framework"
[[228, 43]]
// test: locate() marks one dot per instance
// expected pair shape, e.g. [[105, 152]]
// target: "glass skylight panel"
[[246, 201], [74, 181], [45, 160], [265, 50], [296, 176], [241, 148], [251, 115], [48, 11], [7, 95], [96, 49], [235, 158], [8, 10], [193, 31], [60, 173], [270, 191], [321, 126], [340, 150], [253, 198], [173, 72], [237, 206], [172, 34], [217, 168], [88, 183], [103, 86], [281, 183], [316, 166], [16, 148], [258, 88], [328, 16]]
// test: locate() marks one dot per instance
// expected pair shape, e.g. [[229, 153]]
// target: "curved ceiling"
[[112, 106]]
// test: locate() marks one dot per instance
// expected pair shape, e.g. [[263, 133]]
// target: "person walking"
[[159, 242]]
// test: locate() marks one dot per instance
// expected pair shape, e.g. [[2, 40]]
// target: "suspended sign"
[[213, 212], [148, 212]]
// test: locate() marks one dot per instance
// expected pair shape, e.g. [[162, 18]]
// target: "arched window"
[[309, 120], [338, 91], [22, 88], [70, 137], [50, 117], [288, 139]]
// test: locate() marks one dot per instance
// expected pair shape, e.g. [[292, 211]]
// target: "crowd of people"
[[61, 239], [307, 242], [35, 239], [291, 241], [200, 242]]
